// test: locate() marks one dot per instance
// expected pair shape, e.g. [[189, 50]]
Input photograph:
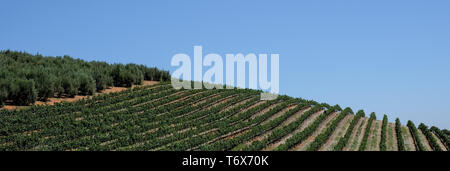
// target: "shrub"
[[70, 86], [383, 134], [432, 141], [444, 138], [3, 93], [343, 141], [415, 135], [398, 131], [363, 145], [87, 84], [23, 92], [67, 76]]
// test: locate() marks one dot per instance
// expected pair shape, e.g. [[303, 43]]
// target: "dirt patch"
[[112, 90], [12, 107]]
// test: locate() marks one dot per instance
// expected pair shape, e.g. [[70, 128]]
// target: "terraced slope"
[[158, 117]]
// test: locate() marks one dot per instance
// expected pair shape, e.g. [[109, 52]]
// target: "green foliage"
[[87, 84], [4, 91], [415, 135], [161, 118], [398, 131], [279, 133], [301, 136], [363, 145], [64, 76], [23, 91], [446, 132], [70, 86], [444, 138], [383, 133], [323, 137], [344, 140], [126, 75], [45, 84], [432, 141]]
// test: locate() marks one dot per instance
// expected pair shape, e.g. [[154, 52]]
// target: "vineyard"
[[158, 117]]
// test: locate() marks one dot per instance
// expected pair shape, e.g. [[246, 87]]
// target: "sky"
[[384, 56]]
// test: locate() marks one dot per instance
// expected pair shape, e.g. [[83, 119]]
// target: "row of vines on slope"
[[383, 133], [301, 136], [323, 137], [415, 135], [442, 136], [398, 131], [344, 140], [363, 144], [260, 129], [433, 142], [279, 133]]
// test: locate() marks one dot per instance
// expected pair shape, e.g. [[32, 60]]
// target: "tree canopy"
[[25, 78]]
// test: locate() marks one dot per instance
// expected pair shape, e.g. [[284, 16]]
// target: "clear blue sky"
[[386, 56]]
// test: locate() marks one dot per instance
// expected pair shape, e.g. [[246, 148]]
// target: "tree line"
[[26, 78]]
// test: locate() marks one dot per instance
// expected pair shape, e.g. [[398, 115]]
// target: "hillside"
[[158, 117], [26, 79]]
